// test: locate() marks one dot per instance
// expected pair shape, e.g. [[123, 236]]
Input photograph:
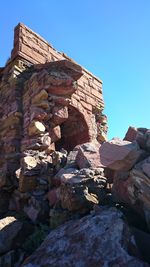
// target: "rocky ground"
[[89, 207]]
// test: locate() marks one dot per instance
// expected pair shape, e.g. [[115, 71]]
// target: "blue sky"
[[111, 38]]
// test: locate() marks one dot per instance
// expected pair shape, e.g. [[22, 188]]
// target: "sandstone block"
[[88, 156], [36, 127], [43, 95], [118, 154], [60, 114], [55, 133]]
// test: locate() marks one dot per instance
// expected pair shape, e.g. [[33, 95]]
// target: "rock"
[[60, 114], [43, 104], [62, 174], [88, 156], [55, 133], [140, 135], [9, 229], [44, 141], [29, 163], [39, 114], [134, 189], [27, 183], [100, 239], [34, 164], [80, 190], [148, 140], [102, 137], [59, 159], [37, 208], [144, 166], [119, 155], [32, 212], [42, 95], [53, 196], [131, 134], [36, 127]]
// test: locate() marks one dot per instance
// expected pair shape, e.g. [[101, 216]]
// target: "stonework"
[[46, 101]]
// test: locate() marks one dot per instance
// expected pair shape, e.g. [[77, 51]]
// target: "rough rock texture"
[[82, 189], [133, 187], [118, 154], [9, 229], [88, 155], [101, 239]]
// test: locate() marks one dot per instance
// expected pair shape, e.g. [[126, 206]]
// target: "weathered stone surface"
[[118, 154], [63, 174], [80, 190], [55, 133], [134, 189], [60, 114], [33, 166], [101, 239], [59, 159], [36, 127], [42, 95], [88, 156], [131, 134], [9, 229]]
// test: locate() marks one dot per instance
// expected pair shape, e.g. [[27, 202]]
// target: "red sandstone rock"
[[60, 114], [55, 133], [88, 156], [118, 154], [133, 188], [131, 134]]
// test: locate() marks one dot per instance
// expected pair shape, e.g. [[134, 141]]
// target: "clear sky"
[[111, 38]]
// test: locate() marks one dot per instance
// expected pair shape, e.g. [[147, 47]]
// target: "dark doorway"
[[74, 130]]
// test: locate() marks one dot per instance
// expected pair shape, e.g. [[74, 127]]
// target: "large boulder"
[[118, 154], [115, 155], [133, 188], [100, 239]]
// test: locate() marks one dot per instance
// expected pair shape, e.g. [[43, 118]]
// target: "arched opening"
[[74, 130]]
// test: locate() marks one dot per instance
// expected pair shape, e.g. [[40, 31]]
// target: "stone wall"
[[46, 101]]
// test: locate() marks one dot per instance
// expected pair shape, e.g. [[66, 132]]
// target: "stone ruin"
[[47, 101], [58, 169]]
